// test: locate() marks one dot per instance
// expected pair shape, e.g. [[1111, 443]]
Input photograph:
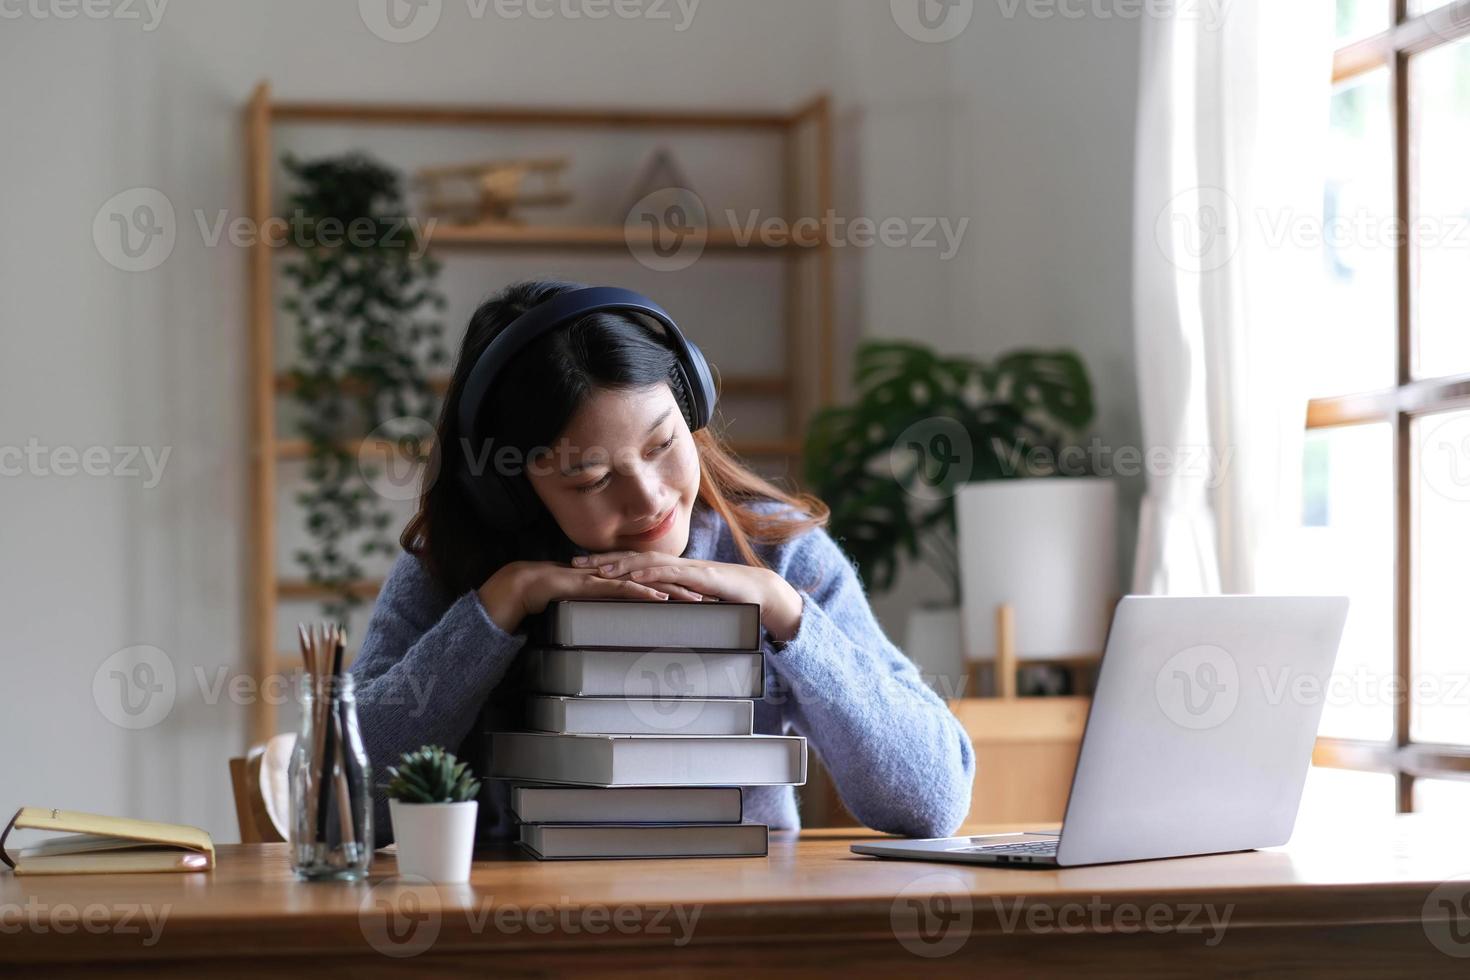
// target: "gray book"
[[551, 842], [629, 804], [649, 760], [643, 673], [640, 716], [649, 625]]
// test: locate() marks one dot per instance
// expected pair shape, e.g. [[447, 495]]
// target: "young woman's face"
[[624, 475]]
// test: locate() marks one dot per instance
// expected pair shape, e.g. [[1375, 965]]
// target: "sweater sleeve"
[[901, 761], [423, 672]]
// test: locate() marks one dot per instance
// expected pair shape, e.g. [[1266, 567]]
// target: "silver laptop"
[[1198, 741]]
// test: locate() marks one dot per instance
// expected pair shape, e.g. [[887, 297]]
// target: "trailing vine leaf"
[[890, 495], [364, 306]]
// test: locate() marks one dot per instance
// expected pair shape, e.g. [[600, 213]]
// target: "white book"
[[629, 804], [640, 716], [644, 673], [631, 623], [566, 841], [649, 760]]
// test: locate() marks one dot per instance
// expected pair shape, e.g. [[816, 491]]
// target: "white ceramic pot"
[[435, 840]]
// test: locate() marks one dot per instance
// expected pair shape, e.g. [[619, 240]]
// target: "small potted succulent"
[[432, 802]]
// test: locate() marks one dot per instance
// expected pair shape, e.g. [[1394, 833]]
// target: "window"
[[1386, 470]]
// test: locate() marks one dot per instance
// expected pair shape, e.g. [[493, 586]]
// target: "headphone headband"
[[573, 305]]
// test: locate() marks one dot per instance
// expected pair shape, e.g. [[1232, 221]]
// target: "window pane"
[[1442, 796], [1358, 252], [1345, 547], [1441, 688], [1440, 83], [1417, 7], [1329, 793], [1360, 18]]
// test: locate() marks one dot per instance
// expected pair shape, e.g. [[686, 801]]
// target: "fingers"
[[599, 558], [678, 592], [625, 589], [618, 567]]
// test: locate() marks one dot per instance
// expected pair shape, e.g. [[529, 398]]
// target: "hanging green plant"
[[364, 300], [888, 465]]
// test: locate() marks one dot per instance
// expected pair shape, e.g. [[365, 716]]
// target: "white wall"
[[1023, 126]]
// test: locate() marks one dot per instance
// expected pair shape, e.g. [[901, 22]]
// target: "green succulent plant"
[[923, 423], [431, 775]]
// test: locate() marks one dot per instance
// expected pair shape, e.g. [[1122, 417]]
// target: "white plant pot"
[[435, 840]]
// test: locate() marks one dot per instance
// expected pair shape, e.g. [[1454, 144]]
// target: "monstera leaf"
[[888, 465]]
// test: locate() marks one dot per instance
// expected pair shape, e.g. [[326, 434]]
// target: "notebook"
[[97, 844]]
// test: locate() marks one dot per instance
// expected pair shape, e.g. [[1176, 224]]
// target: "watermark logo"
[[135, 688], [90, 9], [1097, 915], [120, 462], [1449, 22], [400, 21], [932, 916], [932, 21], [397, 458], [1444, 457], [134, 230], [667, 230], [63, 918], [1446, 917], [399, 916], [666, 689], [1198, 688], [1198, 230], [933, 458]]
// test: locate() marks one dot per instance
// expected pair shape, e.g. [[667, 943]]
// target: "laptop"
[[1198, 740]]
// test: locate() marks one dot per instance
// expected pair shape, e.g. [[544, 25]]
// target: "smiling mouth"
[[658, 528]]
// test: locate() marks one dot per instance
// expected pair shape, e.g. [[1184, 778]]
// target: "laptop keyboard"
[[1040, 848]]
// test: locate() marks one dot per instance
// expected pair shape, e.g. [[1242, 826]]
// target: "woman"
[[565, 466]]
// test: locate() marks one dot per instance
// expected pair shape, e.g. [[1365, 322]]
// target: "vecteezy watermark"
[[136, 230], [1199, 687], [139, 686], [1446, 917], [932, 21], [1360, 687], [149, 12], [933, 915], [1444, 456], [1211, 13], [120, 462], [1099, 915], [406, 21], [96, 918], [135, 687], [403, 916], [933, 458], [1198, 230], [664, 688], [1449, 22], [669, 229], [397, 459]]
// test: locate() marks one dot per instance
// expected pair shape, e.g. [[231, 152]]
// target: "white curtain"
[[1228, 190]]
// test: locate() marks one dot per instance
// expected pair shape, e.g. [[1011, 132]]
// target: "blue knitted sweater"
[[901, 762]]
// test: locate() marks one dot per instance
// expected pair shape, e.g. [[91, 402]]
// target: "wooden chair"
[[262, 790]]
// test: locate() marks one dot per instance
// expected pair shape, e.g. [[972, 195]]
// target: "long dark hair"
[[531, 404]]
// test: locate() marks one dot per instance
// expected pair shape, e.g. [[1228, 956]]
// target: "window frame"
[[1409, 400]]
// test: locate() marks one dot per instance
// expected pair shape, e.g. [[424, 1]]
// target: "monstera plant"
[[922, 424]]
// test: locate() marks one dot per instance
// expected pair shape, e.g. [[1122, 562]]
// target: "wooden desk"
[[1350, 902]]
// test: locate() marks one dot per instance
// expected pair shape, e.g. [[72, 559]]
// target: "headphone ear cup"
[[699, 385]]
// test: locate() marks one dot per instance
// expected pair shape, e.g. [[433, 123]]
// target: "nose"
[[644, 499]]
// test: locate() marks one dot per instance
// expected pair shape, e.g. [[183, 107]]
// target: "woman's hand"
[[523, 588], [780, 603]]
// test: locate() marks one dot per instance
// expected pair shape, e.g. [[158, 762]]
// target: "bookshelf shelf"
[[806, 381]]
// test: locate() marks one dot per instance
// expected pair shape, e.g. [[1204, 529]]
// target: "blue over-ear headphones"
[[506, 501]]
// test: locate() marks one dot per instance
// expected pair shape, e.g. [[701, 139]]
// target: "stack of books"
[[639, 723]]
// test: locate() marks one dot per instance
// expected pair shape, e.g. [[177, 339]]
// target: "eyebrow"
[[576, 468]]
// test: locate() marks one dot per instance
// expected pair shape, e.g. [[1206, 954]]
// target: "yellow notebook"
[[95, 844]]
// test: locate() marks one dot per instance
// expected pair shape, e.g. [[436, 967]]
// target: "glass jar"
[[331, 785]]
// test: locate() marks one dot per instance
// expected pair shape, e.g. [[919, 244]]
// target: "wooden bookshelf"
[[805, 382]]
